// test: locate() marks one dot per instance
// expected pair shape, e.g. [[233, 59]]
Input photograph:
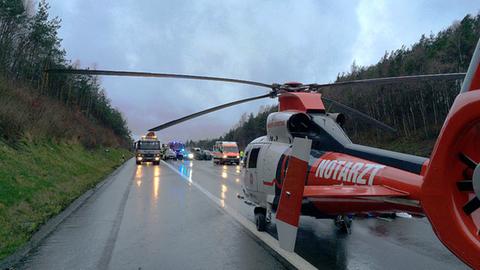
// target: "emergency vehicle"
[[225, 152], [148, 149], [179, 149]]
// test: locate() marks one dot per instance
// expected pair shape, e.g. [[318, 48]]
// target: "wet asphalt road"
[[148, 217]]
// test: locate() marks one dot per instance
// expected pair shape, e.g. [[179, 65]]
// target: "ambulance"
[[226, 153]]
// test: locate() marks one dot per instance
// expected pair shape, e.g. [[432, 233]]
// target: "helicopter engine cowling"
[[281, 125], [339, 118]]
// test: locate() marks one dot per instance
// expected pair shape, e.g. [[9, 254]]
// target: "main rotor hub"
[[293, 84], [292, 87]]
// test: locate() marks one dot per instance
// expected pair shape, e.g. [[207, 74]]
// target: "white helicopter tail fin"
[[290, 204]]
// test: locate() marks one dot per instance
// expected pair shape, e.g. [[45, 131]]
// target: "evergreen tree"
[[29, 44]]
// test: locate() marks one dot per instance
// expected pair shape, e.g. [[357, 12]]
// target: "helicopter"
[[307, 165]]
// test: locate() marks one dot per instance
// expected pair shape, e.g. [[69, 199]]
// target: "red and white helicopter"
[[307, 165]]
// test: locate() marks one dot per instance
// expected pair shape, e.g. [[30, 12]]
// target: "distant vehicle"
[[208, 154], [178, 148], [226, 153], [187, 155], [198, 153], [147, 149], [169, 154]]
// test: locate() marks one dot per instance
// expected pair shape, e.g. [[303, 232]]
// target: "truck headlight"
[[224, 156], [238, 156], [190, 156], [139, 158], [157, 158]]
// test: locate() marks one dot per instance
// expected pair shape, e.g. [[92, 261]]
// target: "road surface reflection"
[[138, 175], [156, 180]]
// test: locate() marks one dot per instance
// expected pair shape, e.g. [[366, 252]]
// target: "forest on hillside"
[[415, 109], [35, 104]]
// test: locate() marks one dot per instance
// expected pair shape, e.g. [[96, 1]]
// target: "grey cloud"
[[268, 41]]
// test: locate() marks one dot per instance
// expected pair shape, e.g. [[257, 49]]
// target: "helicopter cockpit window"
[[252, 160]]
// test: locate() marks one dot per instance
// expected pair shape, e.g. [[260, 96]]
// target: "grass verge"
[[38, 180]]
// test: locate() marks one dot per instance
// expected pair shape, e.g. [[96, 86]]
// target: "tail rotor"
[[451, 188]]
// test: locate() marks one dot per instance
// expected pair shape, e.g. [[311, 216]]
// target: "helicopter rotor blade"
[[154, 75], [388, 80], [273, 87], [374, 81], [216, 108], [362, 115]]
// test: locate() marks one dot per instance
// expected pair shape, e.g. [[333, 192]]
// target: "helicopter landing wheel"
[[343, 223], [268, 217], [260, 221], [260, 218]]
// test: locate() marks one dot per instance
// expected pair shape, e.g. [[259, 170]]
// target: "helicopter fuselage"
[[328, 171]]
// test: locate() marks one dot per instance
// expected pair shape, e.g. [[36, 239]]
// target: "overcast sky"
[[267, 41]]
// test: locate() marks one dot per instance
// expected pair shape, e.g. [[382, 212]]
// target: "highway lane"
[[374, 243], [149, 217]]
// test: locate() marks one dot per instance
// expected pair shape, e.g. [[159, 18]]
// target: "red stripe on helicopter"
[[273, 182], [276, 124]]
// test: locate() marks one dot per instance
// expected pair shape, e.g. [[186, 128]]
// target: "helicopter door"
[[251, 182]]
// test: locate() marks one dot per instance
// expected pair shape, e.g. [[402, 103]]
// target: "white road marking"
[[291, 257]]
